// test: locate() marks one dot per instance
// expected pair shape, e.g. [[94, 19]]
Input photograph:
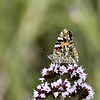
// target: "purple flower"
[[42, 95], [56, 94], [35, 94], [63, 70], [63, 81], [42, 79]]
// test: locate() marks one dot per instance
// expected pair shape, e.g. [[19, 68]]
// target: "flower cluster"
[[63, 81]]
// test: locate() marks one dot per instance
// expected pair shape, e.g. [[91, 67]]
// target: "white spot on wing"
[[61, 33], [59, 38], [57, 45]]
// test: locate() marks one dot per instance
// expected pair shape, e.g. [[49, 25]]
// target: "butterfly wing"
[[64, 50]]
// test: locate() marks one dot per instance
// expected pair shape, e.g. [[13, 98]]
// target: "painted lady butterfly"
[[64, 50]]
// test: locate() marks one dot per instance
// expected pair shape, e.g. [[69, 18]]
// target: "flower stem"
[[61, 98]]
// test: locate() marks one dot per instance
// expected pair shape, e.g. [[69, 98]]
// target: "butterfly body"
[[64, 50]]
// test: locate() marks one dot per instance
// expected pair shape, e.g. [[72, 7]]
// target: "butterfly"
[[64, 49]]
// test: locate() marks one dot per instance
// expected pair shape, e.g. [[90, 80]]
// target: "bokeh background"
[[29, 25]]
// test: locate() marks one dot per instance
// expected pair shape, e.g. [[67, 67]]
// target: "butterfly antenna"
[[40, 49]]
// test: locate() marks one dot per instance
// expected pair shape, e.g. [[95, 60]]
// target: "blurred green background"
[[26, 25]]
